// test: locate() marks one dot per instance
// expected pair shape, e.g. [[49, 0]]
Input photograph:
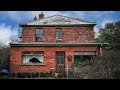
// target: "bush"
[[106, 67], [29, 75]]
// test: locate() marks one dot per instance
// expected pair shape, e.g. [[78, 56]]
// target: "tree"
[[110, 34], [4, 56]]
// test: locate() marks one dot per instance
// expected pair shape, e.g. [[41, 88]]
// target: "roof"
[[59, 20], [56, 44]]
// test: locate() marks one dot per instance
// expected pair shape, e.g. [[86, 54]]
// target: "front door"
[[60, 62]]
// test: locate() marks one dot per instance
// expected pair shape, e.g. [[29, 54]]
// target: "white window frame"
[[31, 56]]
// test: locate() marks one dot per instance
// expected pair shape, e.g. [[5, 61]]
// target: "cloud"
[[96, 30], [106, 21], [22, 16], [6, 32]]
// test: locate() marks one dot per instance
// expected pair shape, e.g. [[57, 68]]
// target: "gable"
[[57, 20]]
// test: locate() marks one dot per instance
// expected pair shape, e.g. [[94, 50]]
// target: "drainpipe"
[[101, 49], [67, 70]]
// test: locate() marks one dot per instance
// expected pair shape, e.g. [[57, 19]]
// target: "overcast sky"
[[9, 20]]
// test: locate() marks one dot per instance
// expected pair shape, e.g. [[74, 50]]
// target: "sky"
[[10, 20]]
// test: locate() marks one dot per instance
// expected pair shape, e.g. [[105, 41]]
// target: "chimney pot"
[[41, 15], [35, 18]]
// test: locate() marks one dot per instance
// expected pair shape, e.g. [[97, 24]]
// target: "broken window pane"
[[35, 57], [34, 60]]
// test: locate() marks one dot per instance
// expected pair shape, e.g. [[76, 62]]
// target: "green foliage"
[[105, 67], [4, 56], [80, 61], [110, 34]]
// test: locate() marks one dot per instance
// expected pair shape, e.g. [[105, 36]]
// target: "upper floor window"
[[39, 34], [58, 34]]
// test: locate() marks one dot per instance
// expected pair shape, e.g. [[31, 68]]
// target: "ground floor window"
[[80, 57], [33, 57]]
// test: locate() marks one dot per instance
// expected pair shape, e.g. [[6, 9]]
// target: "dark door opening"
[[60, 62]]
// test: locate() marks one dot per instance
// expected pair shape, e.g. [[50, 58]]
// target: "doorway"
[[60, 61]]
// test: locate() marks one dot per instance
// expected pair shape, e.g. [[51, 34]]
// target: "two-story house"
[[53, 42]]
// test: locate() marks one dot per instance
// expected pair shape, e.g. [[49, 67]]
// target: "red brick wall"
[[70, 34], [49, 57]]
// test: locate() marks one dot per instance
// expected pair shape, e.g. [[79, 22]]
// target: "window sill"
[[40, 41], [37, 64], [59, 40]]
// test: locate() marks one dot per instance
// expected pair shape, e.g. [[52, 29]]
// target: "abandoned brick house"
[[52, 43]]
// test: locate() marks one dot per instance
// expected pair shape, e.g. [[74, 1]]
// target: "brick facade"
[[49, 57], [70, 34], [74, 31]]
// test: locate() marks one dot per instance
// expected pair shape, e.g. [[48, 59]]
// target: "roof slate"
[[58, 20]]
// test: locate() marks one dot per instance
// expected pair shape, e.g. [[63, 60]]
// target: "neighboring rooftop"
[[56, 20]]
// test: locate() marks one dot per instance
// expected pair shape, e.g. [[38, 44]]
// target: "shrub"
[[106, 67]]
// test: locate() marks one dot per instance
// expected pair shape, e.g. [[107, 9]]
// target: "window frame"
[[32, 53], [85, 52], [83, 55], [39, 34], [57, 33]]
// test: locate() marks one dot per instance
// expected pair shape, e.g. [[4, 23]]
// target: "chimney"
[[35, 18], [41, 15]]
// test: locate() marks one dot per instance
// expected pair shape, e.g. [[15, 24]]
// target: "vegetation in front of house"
[[24, 75], [4, 56], [106, 67], [83, 60]]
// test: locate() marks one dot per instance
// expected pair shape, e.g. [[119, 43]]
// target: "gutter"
[[55, 44], [25, 25]]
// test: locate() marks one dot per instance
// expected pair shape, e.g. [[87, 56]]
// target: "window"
[[58, 34], [33, 57], [83, 56], [39, 34], [84, 53]]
